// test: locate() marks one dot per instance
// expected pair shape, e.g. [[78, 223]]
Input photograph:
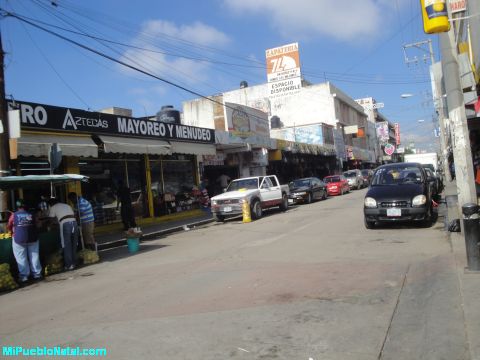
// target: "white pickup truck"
[[260, 192]]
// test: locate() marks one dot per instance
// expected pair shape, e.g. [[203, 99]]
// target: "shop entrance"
[[213, 174]]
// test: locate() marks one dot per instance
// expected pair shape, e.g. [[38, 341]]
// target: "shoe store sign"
[[53, 118]]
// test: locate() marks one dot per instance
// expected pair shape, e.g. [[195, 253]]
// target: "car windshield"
[[350, 174], [397, 175], [332, 179], [365, 172], [299, 183], [243, 184]]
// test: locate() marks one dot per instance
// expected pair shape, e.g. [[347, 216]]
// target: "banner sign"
[[382, 131], [247, 125], [53, 118], [283, 70], [397, 133], [306, 134]]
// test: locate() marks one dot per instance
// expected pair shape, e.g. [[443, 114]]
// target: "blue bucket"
[[133, 244]]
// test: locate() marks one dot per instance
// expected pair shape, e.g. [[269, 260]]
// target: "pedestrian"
[[68, 231], [124, 200], [223, 180], [205, 198], [87, 219], [25, 242]]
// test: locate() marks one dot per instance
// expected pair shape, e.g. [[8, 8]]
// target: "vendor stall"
[[49, 237]]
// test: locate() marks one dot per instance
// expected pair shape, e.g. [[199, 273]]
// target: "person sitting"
[[388, 179]]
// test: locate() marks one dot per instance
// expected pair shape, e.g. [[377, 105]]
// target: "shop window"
[[173, 185], [105, 177]]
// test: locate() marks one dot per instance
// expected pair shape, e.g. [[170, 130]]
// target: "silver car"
[[355, 179]]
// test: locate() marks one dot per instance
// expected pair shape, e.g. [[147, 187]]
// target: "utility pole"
[[4, 137], [438, 100], [462, 153]]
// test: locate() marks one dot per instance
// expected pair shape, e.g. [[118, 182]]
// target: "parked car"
[[367, 176], [355, 179], [399, 192], [260, 192], [336, 185], [307, 190], [438, 182]]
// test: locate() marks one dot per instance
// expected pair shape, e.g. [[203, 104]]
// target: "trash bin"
[[133, 245], [471, 227]]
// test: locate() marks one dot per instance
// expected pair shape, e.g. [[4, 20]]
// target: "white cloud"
[[158, 39], [346, 20]]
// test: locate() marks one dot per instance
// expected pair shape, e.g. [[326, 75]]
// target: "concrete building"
[[307, 128]]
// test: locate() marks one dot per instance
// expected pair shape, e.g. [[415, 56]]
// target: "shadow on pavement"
[[122, 252]]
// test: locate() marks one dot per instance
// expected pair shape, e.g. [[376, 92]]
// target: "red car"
[[336, 185]]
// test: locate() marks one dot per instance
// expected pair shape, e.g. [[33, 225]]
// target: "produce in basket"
[[88, 256], [54, 263], [6, 279]]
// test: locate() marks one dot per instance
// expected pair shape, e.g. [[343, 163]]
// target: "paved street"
[[308, 283]]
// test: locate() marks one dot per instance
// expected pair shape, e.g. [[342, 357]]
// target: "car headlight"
[[419, 200], [370, 202], [214, 202], [301, 193]]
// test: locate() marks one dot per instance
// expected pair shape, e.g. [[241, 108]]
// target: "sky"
[[83, 54]]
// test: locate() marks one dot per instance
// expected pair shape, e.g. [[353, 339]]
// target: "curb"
[[151, 235]]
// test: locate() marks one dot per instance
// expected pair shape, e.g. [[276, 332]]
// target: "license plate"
[[290, 201], [394, 212], [227, 209]]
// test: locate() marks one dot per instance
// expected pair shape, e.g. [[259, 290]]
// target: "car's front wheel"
[[369, 224], [218, 218], [256, 210], [309, 198], [284, 204]]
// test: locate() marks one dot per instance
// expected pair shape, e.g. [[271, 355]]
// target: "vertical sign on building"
[[397, 133], [283, 70]]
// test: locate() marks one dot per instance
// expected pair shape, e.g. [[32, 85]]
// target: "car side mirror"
[[224, 189]]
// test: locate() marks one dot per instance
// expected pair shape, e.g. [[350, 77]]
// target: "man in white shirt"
[[68, 231], [223, 180]]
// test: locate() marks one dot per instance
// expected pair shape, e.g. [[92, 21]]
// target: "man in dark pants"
[[126, 211], [68, 231]]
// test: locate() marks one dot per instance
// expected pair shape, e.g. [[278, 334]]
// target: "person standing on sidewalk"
[[25, 243], [124, 200], [87, 219], [68, 231]]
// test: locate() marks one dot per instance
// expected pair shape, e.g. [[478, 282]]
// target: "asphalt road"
[[311, 283]]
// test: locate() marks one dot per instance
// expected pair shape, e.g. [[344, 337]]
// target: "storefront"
[[291, 160], [157, 161]]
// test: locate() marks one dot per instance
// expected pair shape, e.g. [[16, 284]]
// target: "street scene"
[[307, 283], [240, 179]]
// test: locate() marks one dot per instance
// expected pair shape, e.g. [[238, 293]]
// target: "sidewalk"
[[152, 228], [469, 282]]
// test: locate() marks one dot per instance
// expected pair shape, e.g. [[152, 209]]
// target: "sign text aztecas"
[[45, 117]]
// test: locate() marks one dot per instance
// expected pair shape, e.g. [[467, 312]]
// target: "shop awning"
[[114, 144], [38, 145], [193, 148], [32, 181]]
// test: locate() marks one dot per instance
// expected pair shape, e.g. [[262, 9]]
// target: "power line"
[[6, 13]]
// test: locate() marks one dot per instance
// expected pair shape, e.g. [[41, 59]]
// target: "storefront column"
[[148, 177], [71, 167]]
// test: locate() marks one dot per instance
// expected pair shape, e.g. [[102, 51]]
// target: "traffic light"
[[435, 16]]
